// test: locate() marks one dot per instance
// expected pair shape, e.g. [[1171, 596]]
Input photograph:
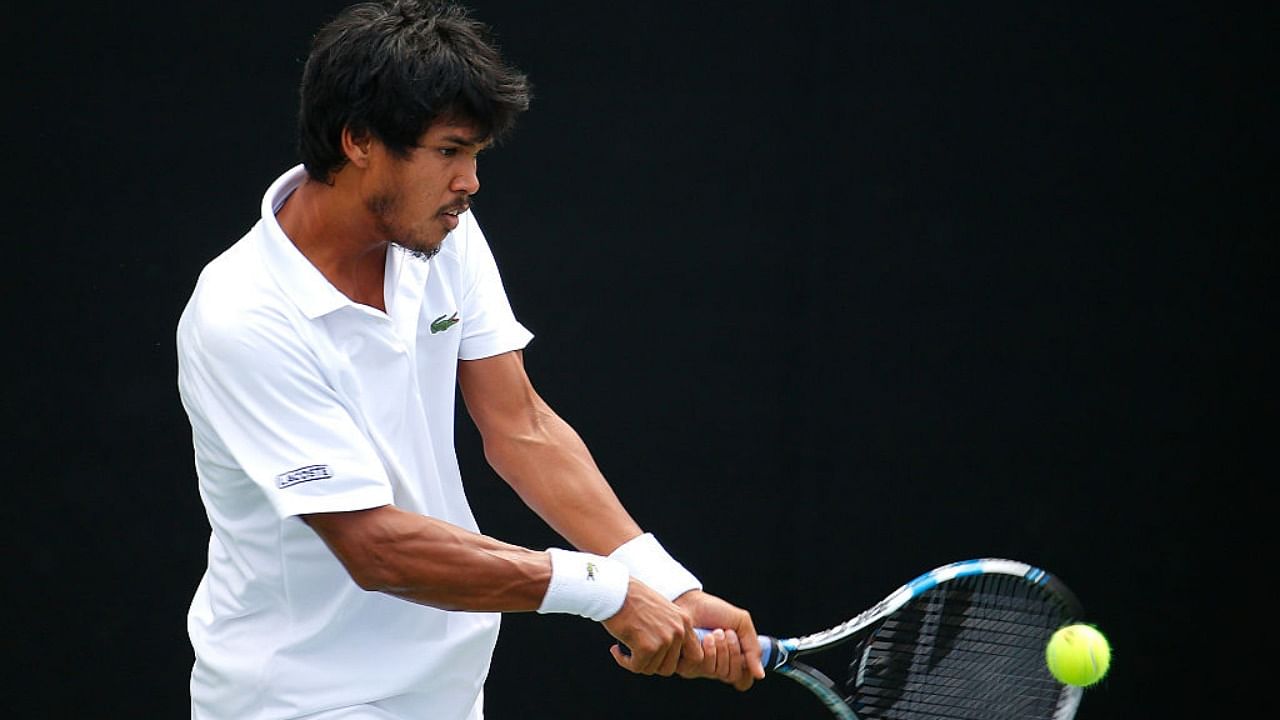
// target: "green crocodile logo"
[[444, 322]]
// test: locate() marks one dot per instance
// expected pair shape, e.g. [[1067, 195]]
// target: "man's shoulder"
[[237, 258], [235, 294]]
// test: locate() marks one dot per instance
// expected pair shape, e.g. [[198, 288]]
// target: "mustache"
[[460, 206]]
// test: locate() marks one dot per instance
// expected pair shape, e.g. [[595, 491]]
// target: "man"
[[318, 358]]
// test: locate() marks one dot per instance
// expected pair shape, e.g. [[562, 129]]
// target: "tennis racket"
[[963, 641]]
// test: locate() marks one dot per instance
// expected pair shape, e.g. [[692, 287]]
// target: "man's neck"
[[326, 225]]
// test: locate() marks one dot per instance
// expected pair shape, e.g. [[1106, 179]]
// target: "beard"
[[383, 208], [418, 252]]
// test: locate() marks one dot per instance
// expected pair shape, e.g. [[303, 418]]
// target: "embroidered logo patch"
[[303, 474], [444, 322]]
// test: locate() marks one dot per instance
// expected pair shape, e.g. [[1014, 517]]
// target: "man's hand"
[[658, 633], [731, 652]]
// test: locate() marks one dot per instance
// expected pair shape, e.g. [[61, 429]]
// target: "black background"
[[835, 291]]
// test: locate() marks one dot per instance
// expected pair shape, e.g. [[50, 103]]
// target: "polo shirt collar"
[[309, 289]]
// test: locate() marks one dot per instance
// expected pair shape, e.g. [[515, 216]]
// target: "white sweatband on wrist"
[[649, 563], [583, 584]]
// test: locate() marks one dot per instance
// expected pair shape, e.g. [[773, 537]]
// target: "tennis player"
[[318, 361]]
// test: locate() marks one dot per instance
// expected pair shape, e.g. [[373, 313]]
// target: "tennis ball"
[[1078, 655]]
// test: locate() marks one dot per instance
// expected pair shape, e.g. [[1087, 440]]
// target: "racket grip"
[[771, 655]]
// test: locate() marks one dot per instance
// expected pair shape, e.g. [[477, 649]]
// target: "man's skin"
[[344, 228]]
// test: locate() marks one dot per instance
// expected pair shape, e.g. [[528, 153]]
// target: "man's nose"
[[467, 181]]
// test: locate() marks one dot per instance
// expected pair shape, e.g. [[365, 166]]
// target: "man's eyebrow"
[[483, 142]]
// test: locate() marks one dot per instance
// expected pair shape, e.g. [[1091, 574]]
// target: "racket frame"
[[781, 652]]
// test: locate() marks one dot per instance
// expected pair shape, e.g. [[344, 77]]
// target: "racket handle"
[[771, 655]]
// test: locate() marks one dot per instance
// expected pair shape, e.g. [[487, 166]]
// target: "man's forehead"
[[455, 130]]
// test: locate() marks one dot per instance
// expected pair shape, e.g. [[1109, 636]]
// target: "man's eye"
[[448, 152]]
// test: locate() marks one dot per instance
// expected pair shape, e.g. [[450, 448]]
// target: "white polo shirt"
[[302, 401]]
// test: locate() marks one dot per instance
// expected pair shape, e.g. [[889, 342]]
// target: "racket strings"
[[1004, 629], [970, 648]]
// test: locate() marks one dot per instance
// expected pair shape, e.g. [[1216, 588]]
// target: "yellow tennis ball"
[[1078, 655]]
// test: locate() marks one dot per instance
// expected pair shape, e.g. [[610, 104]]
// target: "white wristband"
[[583, 584], [649, 563]]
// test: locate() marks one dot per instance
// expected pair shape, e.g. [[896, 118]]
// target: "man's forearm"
[[434, 563], [421, 559], [550, 468]]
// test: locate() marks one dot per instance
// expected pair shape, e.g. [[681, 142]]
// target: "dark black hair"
[[391, 68]]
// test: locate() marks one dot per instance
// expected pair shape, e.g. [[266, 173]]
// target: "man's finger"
[[735, 657], [623, 659], [751, 650], [720, 668], [673, 652], [656, 661], [691, 647], [709, 654], [638, 660]]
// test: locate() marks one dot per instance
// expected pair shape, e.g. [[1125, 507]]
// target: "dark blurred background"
[[835, 291]]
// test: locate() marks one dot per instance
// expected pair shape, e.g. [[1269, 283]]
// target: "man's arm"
[[545, 461], [420, 559], [541, 457], [431, 562]]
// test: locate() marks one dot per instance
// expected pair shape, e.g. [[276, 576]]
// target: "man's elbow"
[[355, 539], [517, 441], [373, 569]]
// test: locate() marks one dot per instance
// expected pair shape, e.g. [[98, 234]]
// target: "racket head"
[[965, 640]]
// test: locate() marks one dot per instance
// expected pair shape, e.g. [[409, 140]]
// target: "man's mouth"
[[451, 215]]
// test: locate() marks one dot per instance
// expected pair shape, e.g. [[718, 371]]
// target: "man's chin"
[[422, 251]]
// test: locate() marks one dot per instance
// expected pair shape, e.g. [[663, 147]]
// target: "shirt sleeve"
[[490, 327], [258, 401]]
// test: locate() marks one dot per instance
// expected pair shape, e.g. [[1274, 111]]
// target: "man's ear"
[[357, 147]]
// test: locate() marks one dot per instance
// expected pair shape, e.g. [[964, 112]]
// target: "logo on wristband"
[[591, 571]]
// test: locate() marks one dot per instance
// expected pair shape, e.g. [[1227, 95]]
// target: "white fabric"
[[585, 584], [302, 401], [652, 565]]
